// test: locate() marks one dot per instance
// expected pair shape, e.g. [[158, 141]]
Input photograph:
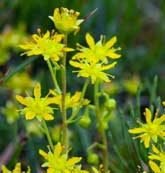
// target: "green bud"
[[93, 158], [85, 121], [110, 104]]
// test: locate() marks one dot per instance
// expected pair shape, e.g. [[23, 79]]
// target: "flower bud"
[[85, 121], [93, 158], [111, 104]]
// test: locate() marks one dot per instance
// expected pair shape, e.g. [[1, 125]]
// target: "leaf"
[[14, 70]]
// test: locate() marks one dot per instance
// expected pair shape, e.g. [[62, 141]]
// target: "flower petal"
[[43, 154], [148, 115], [154, 167], [111, 42], [48, 117], [22, 100], [17, 168], [29, 115], [37, 91], [90, 40]]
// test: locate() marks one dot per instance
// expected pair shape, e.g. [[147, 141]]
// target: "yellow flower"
[[159, 156], [57, 162], [93, 70], [97, 51], [66, 20], [17, 169], [151, 130], [49, 45], [37, 107], [70, 101]]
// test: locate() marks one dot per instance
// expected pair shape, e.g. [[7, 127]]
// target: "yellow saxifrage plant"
[[151, 130], [92, 62]]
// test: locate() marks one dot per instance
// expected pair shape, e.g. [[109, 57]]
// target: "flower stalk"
[[63, 109], [53, 76], [46, 131], [101, 127]]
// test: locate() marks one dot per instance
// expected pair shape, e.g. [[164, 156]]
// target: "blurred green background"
[[140, 28]]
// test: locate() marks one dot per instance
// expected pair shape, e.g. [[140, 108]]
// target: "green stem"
[[53, 76], [63, 108], [101, 127], [85, 88], [48, 135]]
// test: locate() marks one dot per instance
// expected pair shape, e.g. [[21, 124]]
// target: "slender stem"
[[85, 88], [48, 135], [63, 108], [53, 76], [101, 128]]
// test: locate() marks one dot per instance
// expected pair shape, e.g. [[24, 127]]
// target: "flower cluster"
[[57, 162], [93, 61]]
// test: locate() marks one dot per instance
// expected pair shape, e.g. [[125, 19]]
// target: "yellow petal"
[[111, 42], [161, 119], [75, 97], [90, 40], [154, 167], [148, 115], [55, 57], [46, 35], [155, 150], [29, 115], [113, 55], [67, 49], [107, 67], [75, 64], [5, 170], [48, 117], [43, 154], [37, 91], [146, 141], [22, 100], [74, 160], [56, 14], [35, 37], [50, 101], [17, 168], [58, 150], [136, 130]]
